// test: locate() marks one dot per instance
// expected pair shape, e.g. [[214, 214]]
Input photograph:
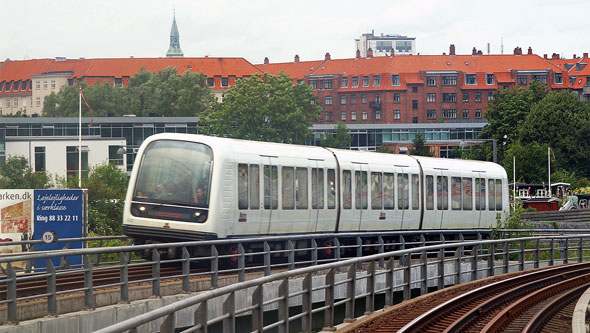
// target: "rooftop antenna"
[[488, 48], [502, 45]]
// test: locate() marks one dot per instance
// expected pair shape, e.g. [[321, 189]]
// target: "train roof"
[[460, 165]]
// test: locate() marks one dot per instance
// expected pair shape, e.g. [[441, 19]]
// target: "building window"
[[343, 116], [394, 80], [44, 84], [342, 99], [114, 157], [414, 89], [377, 115], [365, 115], [364, 98], [377, 98], [328, 84], [396, 114], [210, 82], [396, 97], [521, 80], [450, 114], [466, 114], [16, 102], [16, 85], [52, 84], [72, 162], [353, 99], [344, 82], [313, 84], [37, 101], [8, 102], [558, 78], [118, 82], [328, 116], [365, 81], [448, 80], [490, 95], [224, 82], [431, 80], [478, 114], [353, 115], [415, 104], [328, 100], [376, 80], [37, 84], [478, 97], [540, 78], [431, 97], [449, 97], [465, 97], [355, 81], [431, 114], [40, 159], [490, 78], [470, 79]]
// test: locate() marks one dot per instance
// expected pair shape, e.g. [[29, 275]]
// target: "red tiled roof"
[[297, 70], [23, 69]]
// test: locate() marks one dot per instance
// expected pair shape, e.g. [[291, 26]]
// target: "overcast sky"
[[276, 29]]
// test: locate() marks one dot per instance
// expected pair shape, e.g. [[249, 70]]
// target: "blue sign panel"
[[60, 213]]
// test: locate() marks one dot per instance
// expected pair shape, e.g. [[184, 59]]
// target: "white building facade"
[[384, 44]]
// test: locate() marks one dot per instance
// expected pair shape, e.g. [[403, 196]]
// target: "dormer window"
[[376, 80], [210, 82], [8, 85], [395, 80], [355, 81], [490, 79], [366, 81], [16, 85], [224, 82], [470, 79], [25, 85], [558, 78], [344, 82]]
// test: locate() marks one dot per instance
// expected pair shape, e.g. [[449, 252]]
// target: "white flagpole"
[[80, 140], [514, 174], [549, 164]]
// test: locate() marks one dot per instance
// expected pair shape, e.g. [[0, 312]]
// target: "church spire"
[[174, 50]]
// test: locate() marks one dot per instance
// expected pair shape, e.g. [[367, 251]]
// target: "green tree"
[[531, 162], [420, 148], [264, 108], [15, 173], [340, 138]]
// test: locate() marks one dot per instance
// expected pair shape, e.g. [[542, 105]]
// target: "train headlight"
[[142, 209], [197, 214]]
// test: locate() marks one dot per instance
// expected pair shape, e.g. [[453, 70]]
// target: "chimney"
[[479, 52], [530, 51], [452, 50], [574, 57], [266, 62], [358, 53], [555, 56], [517, 51], [474, 51], [327, 57], [392, 52], [545, 56], [297, 58], [370, 53], [586, 55]]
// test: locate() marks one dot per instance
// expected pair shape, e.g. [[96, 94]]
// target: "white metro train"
[[193, 187]]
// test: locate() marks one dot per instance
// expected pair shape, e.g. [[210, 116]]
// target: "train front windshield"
[[175, 172]]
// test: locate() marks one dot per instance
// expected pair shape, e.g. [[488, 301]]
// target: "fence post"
[[370, 299], [474, 261], [284, 306], [201, 317], [314, 252], [491, 255], [389, 280], [258, 309], [424, 273], [441, 268], [241, 263], [537, 253], [458, 255], [407, 275], [551, 253], [168, 325], [156, 272], [229, 307], [337, 246], [567, 248], [11, 294], [266, 259], [291, 249], [329, 301], [381, 250], [359, 250], [350, 294], [307, 304], [51, 289], [88, 283], [522, 256], [124, 276], [505, 249], [186, 271], [581, 250], [214, 266]]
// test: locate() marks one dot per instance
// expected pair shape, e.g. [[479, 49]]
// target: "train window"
[[271, 194], [491, 195], [403, 191], [429, 188], [388, 191], [317, 188], [254, 186], [480, 194], [360, 194], [376, 190], [288, 187], [331, 189], [456, 190], [442, 195], [498, 194], [346, 189], [415, 192], [243, 186], [467, 194], [301, 188]]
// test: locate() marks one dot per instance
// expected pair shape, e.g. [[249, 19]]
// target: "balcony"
[[375, 106]]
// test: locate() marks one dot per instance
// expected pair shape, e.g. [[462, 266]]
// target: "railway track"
[[540, 301]]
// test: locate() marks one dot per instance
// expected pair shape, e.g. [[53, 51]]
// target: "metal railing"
[[475, 259]]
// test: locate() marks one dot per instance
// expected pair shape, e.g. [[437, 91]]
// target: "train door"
[[403, 193], [270, 195], [480, 197], [442, 197], [249, 207], [360, 193], [319, 188]]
